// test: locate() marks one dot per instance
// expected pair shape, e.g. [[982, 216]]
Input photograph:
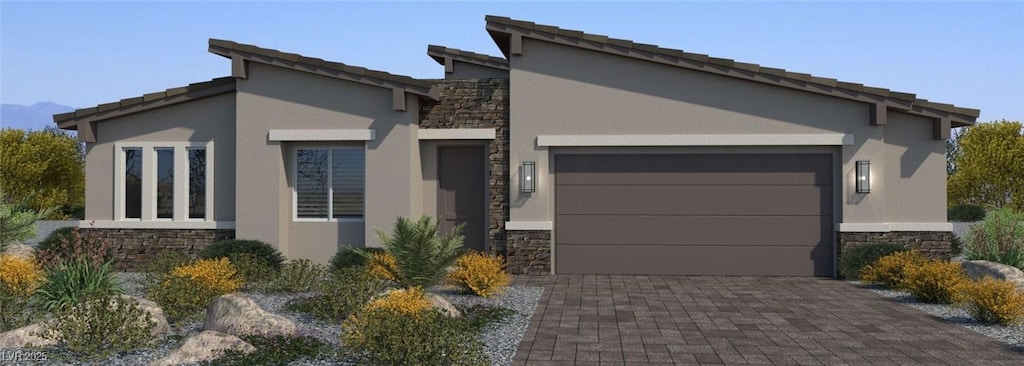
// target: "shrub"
[[482, 274], [422, 257], [998, 238], [71, 282], [299, 275], [342, 293], [100, 327], [347, 258], [55, 238], [254, 272], [17, 221], [854, 259], [16, 310], [479, 316], [936, 281], [384, 336], [956, 245], [190, 288], [890, 271], [409, 301], [42, 168], [383, 266], [20, 275], [225, 248], [79, 247], [274, 351], [965, 213], [993, 301], [160, 267]]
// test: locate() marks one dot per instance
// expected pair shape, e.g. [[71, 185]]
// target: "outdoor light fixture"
[[527, 177], [863, 176]]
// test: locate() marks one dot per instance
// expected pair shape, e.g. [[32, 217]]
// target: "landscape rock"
[[239, 315], [20, 250], [156, 314], [24, 337], [443, 305], [977, 269], [204, 346]]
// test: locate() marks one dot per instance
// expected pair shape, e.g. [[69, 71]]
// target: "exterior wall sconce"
[[863, 176], [528, 177]]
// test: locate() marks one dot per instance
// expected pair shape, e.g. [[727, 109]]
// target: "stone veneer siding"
[[935, 244], [479, 103], [134, 248], [529, 252]]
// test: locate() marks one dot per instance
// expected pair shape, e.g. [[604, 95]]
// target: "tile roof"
[[130, 105], [896, 100], [322, 67], [438, 53]]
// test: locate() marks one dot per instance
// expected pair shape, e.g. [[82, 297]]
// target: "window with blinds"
[[330, 182]]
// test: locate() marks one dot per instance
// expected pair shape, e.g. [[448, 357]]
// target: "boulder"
[[443, 305], [239, 315], [20, 250], [156, 314], [204, 346], [24, 337], [977, 269]]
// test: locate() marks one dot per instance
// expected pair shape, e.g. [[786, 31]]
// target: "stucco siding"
[[277, 98], [203, 120], [463, 70], [561, 90], [915, 170]]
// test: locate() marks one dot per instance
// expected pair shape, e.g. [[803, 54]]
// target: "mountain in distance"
[[30, 117]]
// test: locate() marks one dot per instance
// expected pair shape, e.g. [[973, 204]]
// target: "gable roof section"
[[149, 101], [318, 66], [504, 31], [440, 53]]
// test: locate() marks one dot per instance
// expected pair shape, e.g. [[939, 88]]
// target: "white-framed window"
[[329, 183], [163, 181]]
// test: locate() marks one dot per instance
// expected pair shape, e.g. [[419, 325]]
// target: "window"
[[164, 181], [329, 182]]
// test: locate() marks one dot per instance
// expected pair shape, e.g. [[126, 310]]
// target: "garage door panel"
[[709, 169], [693, 200], [634, 230], [693, 260]]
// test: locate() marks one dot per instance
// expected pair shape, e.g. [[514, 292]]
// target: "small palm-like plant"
[[18, 220], [422, 256]]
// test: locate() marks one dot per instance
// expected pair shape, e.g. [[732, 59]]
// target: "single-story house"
[[572, 153]]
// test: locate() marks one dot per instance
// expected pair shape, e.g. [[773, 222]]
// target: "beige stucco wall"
[[277, 98], [915, 170], [464, 70], [203, 120], [559, 90]]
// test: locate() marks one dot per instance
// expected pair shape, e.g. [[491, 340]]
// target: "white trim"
[[162, 224], [457, 134], [828, 139], [149, 176], [895, 226], [529, 225], [354, 134]]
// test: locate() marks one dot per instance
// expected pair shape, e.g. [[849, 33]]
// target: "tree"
[[17, 221], [990, 170], [953, 152], [42, 169]]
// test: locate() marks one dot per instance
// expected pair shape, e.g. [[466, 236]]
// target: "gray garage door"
[[696, 214]]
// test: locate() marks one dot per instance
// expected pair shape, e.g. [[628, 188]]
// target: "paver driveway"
[[617, 320]]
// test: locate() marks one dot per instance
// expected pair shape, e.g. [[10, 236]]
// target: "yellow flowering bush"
[[383, 266], [189, 288], [406, 301], [21, 276], [935, 281], [480, 273], [216, 274], [890, 270], [993, 301]]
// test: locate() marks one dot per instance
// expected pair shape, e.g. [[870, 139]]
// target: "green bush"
[[275, 351], [384, 336], [78, 246], [479, 317], [225, 248], [965, 213], [17, 220], [853, 260], [256, 273], [342, 293], [16, 310], [998, 238], [189, 289], [71, 282], [54, 239], [956, 245], [160, 267], [422, 256], [101, 327], [347, 258], [299, 275]]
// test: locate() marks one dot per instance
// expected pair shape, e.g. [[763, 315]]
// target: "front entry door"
[[461, 192]]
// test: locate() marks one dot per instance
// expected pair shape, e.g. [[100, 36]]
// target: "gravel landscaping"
[[1011, 335], [501, 339]]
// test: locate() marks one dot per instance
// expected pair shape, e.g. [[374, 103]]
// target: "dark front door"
[[460, 197]]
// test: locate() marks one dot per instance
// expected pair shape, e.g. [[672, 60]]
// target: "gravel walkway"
[[500, 339]]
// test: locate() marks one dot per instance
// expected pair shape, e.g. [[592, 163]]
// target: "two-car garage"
[[694, 214]]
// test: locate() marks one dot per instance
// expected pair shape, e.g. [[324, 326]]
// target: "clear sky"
[[81, 54]]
